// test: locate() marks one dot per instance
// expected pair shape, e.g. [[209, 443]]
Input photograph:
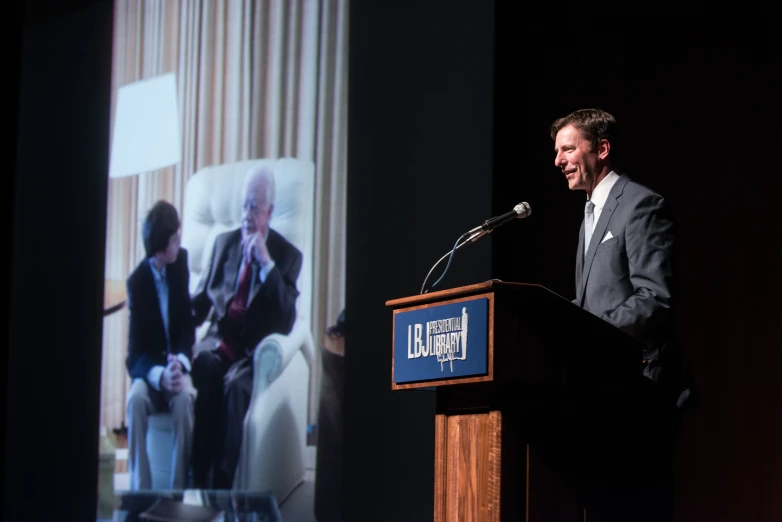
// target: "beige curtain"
[[255, 79]]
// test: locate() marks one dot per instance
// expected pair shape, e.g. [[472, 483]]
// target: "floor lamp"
[[146, 137]]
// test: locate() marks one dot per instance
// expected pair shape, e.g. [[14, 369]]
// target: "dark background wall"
[[450, 104], [701, 125], [420, 164], [57, 239]]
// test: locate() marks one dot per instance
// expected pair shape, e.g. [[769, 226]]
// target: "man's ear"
[[603, 148], [271, 209]]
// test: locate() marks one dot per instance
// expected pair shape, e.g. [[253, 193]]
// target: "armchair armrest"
[[275, 351], [272, 455]]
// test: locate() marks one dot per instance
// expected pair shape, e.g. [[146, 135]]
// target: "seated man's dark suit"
[[149, 346], [225, 383], [147, 336]]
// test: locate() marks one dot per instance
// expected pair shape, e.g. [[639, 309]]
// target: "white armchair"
[[272, 456]]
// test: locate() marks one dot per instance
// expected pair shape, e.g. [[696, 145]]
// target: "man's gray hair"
[[266, 173]]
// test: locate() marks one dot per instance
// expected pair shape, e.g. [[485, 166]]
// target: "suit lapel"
[[580, 263], [231, 269], [256, 284], [600, 228], [174, 273], [154, 299]]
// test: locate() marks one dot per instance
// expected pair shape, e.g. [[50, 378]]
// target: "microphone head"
[[523, 210]]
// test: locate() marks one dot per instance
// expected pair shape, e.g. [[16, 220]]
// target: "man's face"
[[579, 160], [257, 211], [172, 249]]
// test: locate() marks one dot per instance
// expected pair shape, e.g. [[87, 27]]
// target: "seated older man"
[[248, 291]]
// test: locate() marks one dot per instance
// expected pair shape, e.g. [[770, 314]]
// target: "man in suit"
[[161, 336], [625, 275], [248, 291]]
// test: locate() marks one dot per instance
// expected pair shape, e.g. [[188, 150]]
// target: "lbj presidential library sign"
[[441, 341]]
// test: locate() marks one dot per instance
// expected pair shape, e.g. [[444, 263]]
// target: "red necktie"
[[243, 291], [234, 320]]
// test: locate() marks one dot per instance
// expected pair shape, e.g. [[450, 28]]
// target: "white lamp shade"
[[146, 127]]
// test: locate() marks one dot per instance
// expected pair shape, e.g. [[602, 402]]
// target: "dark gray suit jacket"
[[271, 307], [626, 279]]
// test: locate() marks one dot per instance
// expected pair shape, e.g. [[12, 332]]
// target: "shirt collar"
[[158, 275], [600, 194]]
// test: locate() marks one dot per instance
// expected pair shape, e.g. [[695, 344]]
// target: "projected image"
[[223, 337]]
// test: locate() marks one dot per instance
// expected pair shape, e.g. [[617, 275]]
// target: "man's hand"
[[171, 378], [255, 246]]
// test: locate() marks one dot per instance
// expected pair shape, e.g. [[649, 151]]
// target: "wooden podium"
[[520, 398]]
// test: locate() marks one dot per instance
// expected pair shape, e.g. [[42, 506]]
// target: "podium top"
[[486, 286], [541, 338]]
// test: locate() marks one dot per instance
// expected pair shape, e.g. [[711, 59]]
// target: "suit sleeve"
[[649, 243], [137, 362], [280, 291], [201, 304]]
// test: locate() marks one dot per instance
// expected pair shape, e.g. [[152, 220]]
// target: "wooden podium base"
[[468, 455], [481, 476]]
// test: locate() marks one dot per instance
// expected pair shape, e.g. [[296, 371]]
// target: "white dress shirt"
[[600, 194]]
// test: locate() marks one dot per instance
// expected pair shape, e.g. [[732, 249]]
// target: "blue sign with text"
[[441, 342]]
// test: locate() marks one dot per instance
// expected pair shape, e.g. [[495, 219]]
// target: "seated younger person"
[[161, 336]]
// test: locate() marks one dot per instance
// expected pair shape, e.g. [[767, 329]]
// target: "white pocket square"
[[608, 236]]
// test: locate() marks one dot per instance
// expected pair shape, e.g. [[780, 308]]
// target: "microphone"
[[521, 210]]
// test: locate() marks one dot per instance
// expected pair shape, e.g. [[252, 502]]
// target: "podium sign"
[[443, 342]]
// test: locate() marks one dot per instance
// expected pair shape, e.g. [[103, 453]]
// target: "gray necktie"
[[589, 223]]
